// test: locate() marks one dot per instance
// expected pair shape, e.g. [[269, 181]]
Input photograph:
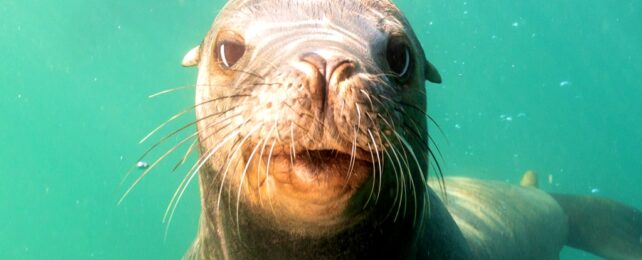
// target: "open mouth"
[[324, 159], [322, 176], [317, 166]]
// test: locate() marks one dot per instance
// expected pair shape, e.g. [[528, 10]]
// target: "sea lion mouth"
[[310, 188], [329, 168], [323, 176]]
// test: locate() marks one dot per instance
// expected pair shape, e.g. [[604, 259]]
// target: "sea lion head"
[[310, 113]]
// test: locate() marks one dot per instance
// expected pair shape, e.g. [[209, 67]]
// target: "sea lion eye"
[[399, 59], [229, 52]]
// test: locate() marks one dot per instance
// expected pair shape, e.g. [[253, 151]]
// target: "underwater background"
[[552, 86]]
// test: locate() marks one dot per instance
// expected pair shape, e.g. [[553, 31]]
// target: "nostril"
[[341, 72], [333, 70], [316, 60]]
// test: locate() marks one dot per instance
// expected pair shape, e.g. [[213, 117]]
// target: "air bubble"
[[142, 165]]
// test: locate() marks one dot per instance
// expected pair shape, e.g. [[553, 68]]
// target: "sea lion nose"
[[334, 70]]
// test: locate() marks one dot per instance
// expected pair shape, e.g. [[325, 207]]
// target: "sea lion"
[[313, 137]]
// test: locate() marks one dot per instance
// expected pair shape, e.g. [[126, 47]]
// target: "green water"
[[554, 86]]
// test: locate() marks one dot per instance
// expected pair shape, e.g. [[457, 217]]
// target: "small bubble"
[[509, 118], [521, 114], [515, 24], [142, 165], [19, 95], [458, 126], [565, 83], [465, 11], [595, 190]]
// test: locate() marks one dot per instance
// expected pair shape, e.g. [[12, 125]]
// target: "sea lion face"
[[309, 111]]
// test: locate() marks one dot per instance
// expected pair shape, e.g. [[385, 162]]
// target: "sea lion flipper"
[[604, 227], [529, 179], [431, 73], [193, 57]]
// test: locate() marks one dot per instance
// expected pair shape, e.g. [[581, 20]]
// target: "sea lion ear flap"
[[431, 73], [193, 57]]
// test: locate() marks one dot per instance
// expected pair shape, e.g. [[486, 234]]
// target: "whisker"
[[427, 150], [183, 181], [402, 176], [185, 111], [419, 167], [431, 141], [180, 129], [267, 176], [403, 159], [170, 90], [430, 118], [176, 197], [161, 140], [354, 148], [154, 165], [238, 195], [167, 91], [379, 162], [399, 186], [374, 175], [193, 171], [187, 154], [292, 146], [258, 171], [236, 150]]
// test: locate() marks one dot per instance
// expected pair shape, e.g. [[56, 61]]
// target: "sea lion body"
[[313, 138], [504, 221]]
